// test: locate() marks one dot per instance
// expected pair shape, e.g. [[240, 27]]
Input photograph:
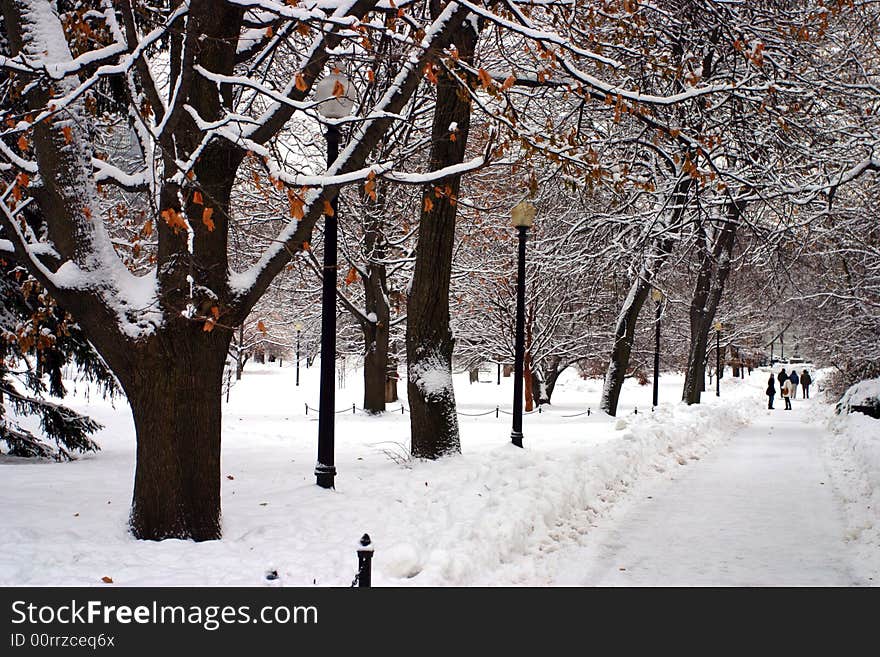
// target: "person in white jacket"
[[786, 393]]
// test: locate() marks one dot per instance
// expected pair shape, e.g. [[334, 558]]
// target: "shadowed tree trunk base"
[[177, 416]]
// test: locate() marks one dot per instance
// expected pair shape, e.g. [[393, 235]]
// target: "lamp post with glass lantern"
[[657, 295], [298, 326], [718, 328], [522, 217], [335, 100]]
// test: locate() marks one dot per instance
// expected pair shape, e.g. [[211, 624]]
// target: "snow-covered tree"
[[203, 94]]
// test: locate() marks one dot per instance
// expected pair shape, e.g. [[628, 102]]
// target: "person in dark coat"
[[771, 391], [782, 377], [806, 380], [795, 379]]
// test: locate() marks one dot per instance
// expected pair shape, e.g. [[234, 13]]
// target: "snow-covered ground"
[[852, 450], [496, 515], [758, 510]]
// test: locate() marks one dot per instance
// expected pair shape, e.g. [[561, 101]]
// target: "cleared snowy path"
[[757, 511]]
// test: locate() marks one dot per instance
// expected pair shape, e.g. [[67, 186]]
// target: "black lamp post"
[[298, 328], [334, 97], [718, 359], [522, 217], [657, 295]]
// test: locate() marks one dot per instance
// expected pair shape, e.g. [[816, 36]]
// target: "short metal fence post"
[[365, 562]]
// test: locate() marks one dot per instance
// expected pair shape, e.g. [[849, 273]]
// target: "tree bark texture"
[[429, 340], [177, 414]]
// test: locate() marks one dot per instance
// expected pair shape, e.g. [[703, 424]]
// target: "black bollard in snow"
[[365, 562]]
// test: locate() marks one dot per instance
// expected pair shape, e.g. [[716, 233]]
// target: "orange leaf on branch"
[[296, 204], [430, 74], [370, 185], [206, 219], [174, 219], [485, 78]]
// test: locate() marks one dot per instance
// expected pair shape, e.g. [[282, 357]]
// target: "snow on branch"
[[249, 284]]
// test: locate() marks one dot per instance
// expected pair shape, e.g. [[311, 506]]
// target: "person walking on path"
[[782, 377], [786, 393], [806, 380], [771, 391], [795, 379]]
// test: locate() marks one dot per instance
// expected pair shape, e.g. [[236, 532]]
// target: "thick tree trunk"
[[376, 333], [712, 275], [429, 341], [175, 392], [375, 367]]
